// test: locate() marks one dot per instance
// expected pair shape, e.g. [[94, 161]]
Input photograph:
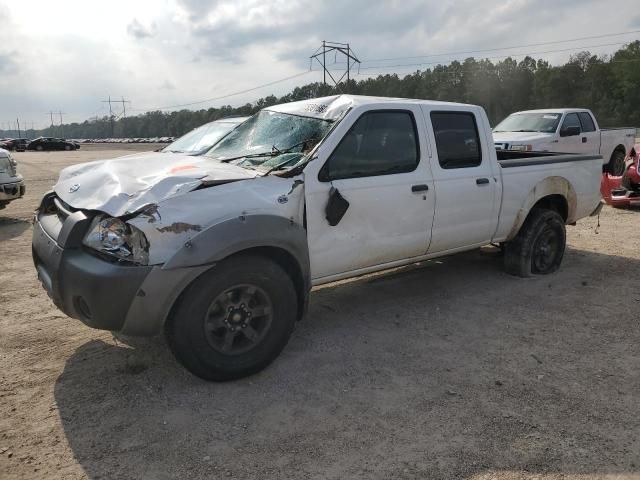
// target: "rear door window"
[[587, 122], [457, 139]]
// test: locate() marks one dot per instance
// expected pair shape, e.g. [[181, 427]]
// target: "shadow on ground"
[[453, 369], [12, 227]]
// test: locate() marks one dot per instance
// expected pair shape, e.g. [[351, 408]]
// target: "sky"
[[70, 55]]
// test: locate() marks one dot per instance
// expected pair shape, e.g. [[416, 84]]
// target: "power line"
[[168, 107], [382, 67], [504, 48]]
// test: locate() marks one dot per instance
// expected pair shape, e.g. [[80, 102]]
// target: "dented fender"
[[180, 229]]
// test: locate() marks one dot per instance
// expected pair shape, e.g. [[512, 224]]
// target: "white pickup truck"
[[568, 130], [220, 251], [11, 183]]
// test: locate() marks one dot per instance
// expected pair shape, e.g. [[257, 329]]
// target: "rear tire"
[[234, 320], [616, 165], [539, 246]]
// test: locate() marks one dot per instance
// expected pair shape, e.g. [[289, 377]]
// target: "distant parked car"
[[15, 144], [50, 143], [201, 139]]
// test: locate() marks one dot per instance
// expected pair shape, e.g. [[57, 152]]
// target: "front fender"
[[242, 233]]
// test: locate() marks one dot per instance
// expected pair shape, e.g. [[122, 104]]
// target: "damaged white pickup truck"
[[220, 251]]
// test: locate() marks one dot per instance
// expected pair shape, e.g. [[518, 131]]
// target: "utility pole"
[[51, 126], [110, 113], [18, 123], [337, 47], [124, 109], [61, 126]]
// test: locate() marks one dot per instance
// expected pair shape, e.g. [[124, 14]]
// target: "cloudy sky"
[[69, 55]]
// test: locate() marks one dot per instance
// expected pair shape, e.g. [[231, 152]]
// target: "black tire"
[[616, 165], [539, 246], [67, 147], [197, 347], [39, 148]]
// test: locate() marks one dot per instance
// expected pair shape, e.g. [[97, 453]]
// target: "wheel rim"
[[238, 319], [545, 250]]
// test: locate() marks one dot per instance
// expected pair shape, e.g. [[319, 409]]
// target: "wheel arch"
[[554, 193]]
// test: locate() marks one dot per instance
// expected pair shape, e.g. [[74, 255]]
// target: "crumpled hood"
[[124, 185], [521, 137]]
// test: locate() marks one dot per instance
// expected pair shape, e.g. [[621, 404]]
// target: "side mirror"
[[570, 131]]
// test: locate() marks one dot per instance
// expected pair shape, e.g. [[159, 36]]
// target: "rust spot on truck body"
[[180, 227]]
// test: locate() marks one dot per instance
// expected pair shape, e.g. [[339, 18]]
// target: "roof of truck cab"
[[333, 107], [554, 110]]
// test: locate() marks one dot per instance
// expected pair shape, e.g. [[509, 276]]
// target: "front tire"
[[67, 147], [234, 320], [39, 148], [539, 247]]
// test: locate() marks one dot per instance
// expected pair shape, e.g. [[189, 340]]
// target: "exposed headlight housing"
[[522, 148], [114, 237]]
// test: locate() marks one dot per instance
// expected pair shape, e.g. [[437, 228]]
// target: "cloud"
[[174, 52], [8, 63], [138, 30]]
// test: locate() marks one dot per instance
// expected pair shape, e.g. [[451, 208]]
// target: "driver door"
[[573, 143], [378, 164]]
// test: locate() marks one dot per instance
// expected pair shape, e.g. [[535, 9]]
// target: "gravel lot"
[[448, 369]]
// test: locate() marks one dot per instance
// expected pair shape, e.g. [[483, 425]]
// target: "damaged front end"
[[113, 237]]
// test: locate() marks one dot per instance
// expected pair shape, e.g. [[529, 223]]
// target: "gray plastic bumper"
[[134, 300]]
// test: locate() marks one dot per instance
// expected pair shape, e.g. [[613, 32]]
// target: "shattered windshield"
[[529, 122], [270, 140], [202, 137]]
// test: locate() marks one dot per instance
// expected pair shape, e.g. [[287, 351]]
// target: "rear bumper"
[[12, 190]]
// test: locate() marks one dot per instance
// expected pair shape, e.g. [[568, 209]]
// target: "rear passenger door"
[[467, 201]]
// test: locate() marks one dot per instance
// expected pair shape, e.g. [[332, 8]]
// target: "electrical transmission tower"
[[51, 114], [112, 117], [343, 49]]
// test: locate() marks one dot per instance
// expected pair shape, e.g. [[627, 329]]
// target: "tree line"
[[608, 85]]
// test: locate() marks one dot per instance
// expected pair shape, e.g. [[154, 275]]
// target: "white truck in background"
[[565, 130]]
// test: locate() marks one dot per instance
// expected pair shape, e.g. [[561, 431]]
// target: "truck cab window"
[[457, 139], [379, 143], [587, 122]]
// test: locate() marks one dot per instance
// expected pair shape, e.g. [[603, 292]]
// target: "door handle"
[[482, 181], [419, 188], [584, 139]]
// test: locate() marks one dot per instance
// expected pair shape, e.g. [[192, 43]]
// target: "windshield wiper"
[[275, 151]]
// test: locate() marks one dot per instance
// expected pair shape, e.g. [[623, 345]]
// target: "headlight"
[[522, 148], [114, 237]]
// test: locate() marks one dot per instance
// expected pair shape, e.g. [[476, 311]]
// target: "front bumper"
[[103, 294], [12, 190]]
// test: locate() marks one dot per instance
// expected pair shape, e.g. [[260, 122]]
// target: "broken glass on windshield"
[[270, 139]]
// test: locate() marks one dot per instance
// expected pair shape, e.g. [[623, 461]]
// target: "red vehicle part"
[[624, 191]]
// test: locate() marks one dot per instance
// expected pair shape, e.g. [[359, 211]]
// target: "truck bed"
[[578, 175]]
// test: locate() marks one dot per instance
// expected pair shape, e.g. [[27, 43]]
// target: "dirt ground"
[[449, 369]]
